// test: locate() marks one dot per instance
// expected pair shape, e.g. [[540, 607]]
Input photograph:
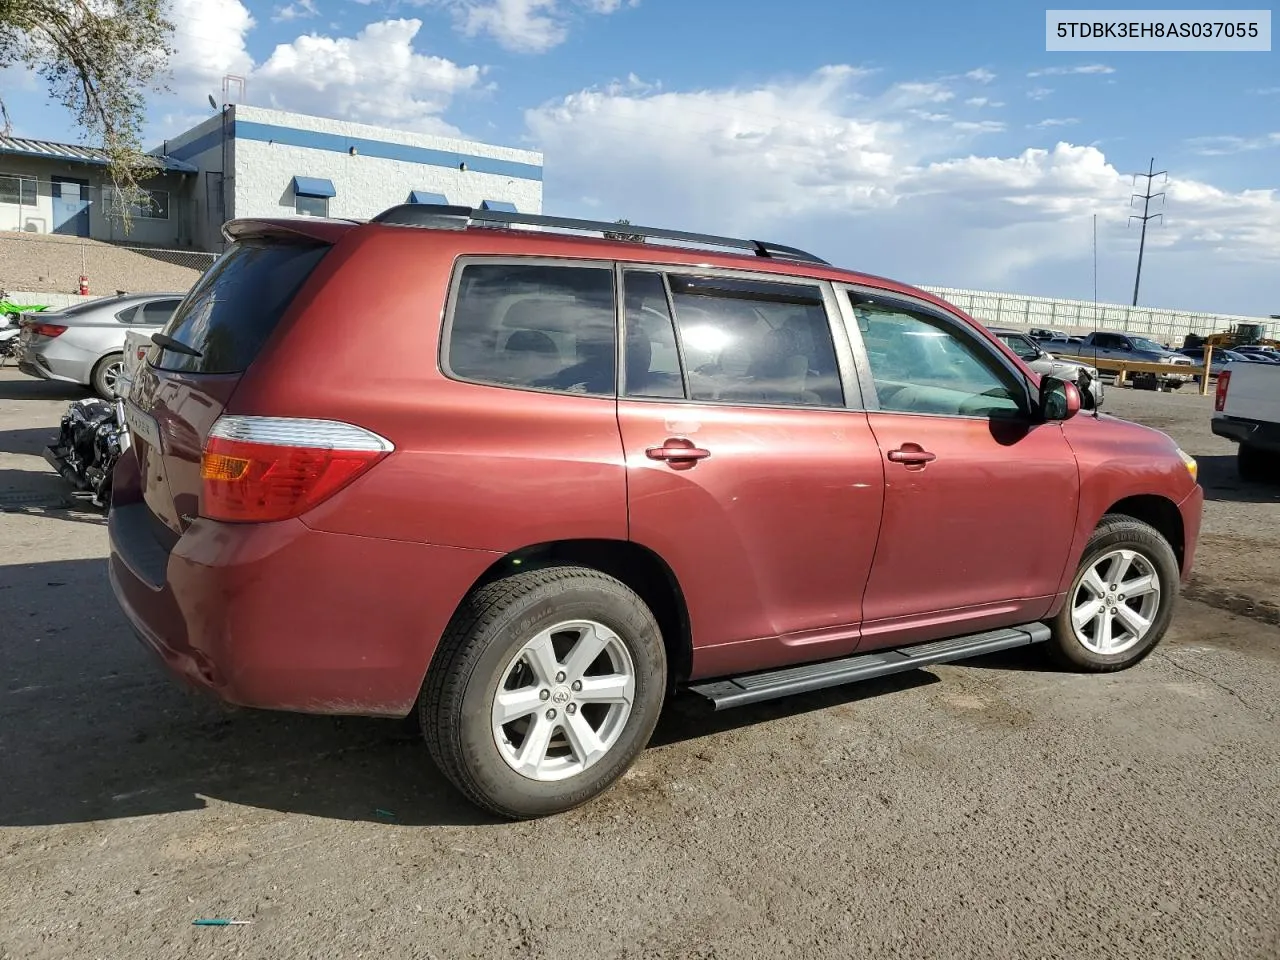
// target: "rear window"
[[233, 308]]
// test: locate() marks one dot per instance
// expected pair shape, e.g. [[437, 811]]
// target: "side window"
[[651, 358], [921, 364], [156, 313], [1107, 341], [539, 327], [749, 341]]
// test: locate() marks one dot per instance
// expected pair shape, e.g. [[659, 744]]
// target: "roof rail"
[[441, 217]]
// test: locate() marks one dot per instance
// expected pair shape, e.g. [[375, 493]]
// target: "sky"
[[934, 142]]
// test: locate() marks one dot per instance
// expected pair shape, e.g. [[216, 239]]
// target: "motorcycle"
[[90, 440], [10, 329]]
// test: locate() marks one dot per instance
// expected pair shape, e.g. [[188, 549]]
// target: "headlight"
[[1190, 463]]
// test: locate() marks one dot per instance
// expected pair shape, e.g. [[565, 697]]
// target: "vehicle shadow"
[[30, 441], [90, 728], [1221, 482], [30, 388]]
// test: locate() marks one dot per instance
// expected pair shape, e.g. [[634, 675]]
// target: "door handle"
[[677, 452], [912, 454]]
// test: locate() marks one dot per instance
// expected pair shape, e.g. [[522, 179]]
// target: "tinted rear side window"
[[539, 327], [233, 308]]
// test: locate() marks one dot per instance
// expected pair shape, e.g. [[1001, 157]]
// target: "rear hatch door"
[[200, 356]]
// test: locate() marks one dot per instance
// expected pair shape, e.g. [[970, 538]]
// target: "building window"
[[18, 190], [150, 205], [311, 206]]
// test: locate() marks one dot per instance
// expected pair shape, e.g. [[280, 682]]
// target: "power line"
[[1146, 198]]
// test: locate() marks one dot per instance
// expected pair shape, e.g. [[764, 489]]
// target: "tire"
[[1149, 555], [481, 653], [1256, 465], [106, 373]]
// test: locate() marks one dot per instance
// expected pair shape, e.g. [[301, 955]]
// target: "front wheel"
[[545, 688], [1121, 599]]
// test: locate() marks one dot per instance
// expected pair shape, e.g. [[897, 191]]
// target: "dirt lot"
[[997, 809]]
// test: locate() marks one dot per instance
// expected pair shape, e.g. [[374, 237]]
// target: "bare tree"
[[98, 58]]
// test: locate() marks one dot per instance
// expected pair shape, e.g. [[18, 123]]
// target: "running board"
[[754, 687]]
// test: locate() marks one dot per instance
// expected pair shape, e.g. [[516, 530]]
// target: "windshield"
[[1023, 347], [1142, 343]]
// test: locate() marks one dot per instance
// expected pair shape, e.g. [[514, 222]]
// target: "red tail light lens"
[[1220, 397], [260, 469], [48, 329]]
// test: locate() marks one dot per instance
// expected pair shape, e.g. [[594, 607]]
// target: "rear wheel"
[[545, 688], [106, 375], [1121, 599]]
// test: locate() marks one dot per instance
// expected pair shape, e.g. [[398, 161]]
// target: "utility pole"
[[1146, 198]]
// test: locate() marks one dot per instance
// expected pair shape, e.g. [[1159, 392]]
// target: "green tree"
[[98, 58]]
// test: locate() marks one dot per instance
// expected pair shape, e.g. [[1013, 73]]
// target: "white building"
[[267, 163]]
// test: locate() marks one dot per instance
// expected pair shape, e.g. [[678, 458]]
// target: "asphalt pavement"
[[995, 809]]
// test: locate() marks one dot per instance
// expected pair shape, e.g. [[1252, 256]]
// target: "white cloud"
[[1083, 69], [525, 26], [923, 93], [827, 164], [1054, 122], [980, 75], [375, 77], [1227, 145], [301, 9], [209, 43], [978, 126], [1039, 93]]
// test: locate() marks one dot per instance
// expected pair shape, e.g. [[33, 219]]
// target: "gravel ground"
[[996, 809]]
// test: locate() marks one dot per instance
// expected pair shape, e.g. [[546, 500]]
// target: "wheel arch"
[[638, 567], [1158, 512]]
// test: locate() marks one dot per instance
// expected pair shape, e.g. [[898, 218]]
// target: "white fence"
[[1083, 316]]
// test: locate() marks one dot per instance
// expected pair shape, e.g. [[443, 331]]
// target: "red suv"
[[522, 485]]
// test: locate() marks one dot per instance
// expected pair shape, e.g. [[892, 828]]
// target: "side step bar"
[[754, 687]]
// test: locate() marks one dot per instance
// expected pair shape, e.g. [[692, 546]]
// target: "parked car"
[[85, 343], [1085, 377], [1263, 354], [1218, 362], [136, 345], [1108, 345], [591, 472], [1246, 409]]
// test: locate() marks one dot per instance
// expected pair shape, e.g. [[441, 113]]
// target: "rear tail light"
[[48, 329], [1220, 398], [260, 469]]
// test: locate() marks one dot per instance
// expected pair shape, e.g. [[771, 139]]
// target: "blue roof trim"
[[313, 187], [425, 196], [332, 142], [501, 206]]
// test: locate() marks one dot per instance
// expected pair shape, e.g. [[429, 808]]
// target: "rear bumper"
[[1255, 433], [279, 616]]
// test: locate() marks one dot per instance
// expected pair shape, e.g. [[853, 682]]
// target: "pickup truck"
[[1049, 364], [1101, 345], [1246, 409]]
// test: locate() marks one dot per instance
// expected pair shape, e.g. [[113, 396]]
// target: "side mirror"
[[1059, 399]]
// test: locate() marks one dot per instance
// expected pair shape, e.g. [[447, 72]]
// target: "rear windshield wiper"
[[177, 346]]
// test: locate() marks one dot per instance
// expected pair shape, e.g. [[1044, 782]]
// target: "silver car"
[[1038, 359], [84, 344]]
